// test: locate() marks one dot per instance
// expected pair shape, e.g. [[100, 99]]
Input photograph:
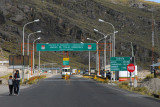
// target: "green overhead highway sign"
[[65, 62], [66, 47], [119, 63]]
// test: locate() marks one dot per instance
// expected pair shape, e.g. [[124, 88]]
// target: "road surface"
[[77, 92]]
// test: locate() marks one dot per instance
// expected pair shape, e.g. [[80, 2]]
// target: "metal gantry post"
[[89, 63], [39, 61], [105, 55], [33, 58], [97, 65]]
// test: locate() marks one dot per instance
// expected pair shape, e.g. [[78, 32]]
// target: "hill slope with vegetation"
[[72, 21]]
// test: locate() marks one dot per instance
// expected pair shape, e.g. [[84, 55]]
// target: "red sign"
[[65, 66], [89, 46], [131, 68], [43, 47]]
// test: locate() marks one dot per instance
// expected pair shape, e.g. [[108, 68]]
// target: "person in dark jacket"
[[16, 82]]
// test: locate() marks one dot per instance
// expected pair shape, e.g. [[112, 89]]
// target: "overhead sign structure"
[[131, 68], [66, 47], [119, 63]]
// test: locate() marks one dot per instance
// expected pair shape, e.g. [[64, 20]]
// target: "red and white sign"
[[43, 47], [131, 68], [66, 66], [89, 46]]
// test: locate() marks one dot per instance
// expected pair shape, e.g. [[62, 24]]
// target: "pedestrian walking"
[[16, 82], [10, 84]]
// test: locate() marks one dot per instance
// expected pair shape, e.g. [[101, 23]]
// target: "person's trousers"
[[10, 89], [16, 87]]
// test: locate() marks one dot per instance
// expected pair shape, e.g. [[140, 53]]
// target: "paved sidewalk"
[[5, 89]]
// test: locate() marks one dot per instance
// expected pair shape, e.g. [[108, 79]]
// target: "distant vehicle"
[[49, 71], [86, 72], [93, 71], [81, 72], [108, 74], [74, 71], [65, 72]]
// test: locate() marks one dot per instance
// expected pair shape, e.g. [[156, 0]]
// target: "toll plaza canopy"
[[66, 47], [156, 64]]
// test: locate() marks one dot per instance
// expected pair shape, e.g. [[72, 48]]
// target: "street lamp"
[[37, 20], [97, 61], [89, 68], [104, 45], [28, 40], [113, 41], [33, 51]]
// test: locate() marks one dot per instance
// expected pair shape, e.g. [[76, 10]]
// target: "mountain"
[[72, 21]]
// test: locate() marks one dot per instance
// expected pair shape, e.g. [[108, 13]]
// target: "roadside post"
[[131, 68]]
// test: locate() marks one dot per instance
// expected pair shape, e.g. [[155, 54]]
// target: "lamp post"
[[113, 41], [33, 51], [39, 61], [97, 61], [23, 46], [104, 45], [28, 40], [24, 28], [89, 65]]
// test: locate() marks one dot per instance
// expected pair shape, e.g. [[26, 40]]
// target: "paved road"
[[55, 92]]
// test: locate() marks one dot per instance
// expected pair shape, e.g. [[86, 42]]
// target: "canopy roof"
[[156, 64]]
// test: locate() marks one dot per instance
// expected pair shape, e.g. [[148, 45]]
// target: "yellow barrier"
[[100, 79], [67, 77]]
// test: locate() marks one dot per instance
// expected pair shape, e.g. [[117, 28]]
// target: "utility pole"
[[135, 80], [153, 22]]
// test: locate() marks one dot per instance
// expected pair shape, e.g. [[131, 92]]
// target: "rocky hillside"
[[72, 21]]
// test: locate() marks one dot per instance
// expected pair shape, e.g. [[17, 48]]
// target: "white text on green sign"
[[119, 63], [66, 47]]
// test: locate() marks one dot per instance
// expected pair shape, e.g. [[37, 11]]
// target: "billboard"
[[18, 60]]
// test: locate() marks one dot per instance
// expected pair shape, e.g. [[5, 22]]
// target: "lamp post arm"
[[28, 23], [35, 40], [110, 24], [102, 38], [93, 40], [28, 41]]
